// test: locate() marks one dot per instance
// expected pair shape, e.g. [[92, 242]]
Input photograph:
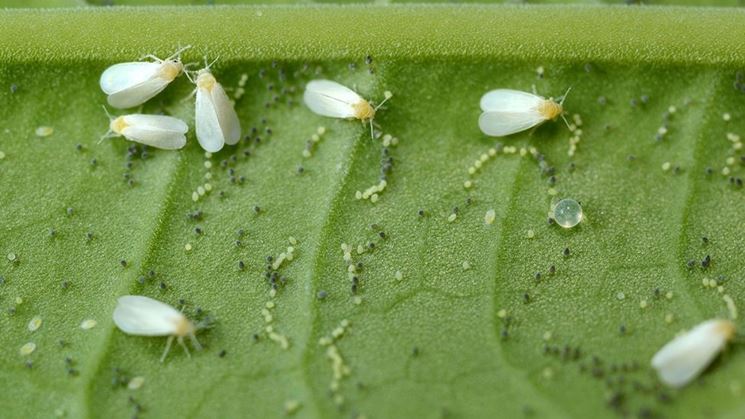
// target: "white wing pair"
[[686, 356], [142, 316], [132, 84], [160, 131], [507, 111], [216, 122], [329, 98]]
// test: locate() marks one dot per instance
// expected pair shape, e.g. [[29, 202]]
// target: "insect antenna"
[[561, 102], [191, 78], [152, 57], [387, 95], [207, 66], [187, 71], [178, 52], [107, 112], [109, 132], [206, 323]]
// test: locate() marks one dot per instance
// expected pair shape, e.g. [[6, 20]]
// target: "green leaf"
[[69, 3], [434, 342]]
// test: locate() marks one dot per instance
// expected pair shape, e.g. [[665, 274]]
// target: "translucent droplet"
[[136, 382], [27, 348], [44, 131], [88, 324], [567, 213], [34, 324]]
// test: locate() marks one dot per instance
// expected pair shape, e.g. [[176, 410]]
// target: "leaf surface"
[[469, 329]]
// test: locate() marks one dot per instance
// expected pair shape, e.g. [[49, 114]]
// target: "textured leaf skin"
[[431, 344]]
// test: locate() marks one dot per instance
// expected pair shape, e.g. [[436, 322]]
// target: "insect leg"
[[183, 345], [168, 348]]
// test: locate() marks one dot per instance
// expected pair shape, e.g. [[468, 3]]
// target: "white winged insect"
[[329, 98], [216, 122], [507, 111], [132, 84], [142, 316], [159, 131], [687, 355]]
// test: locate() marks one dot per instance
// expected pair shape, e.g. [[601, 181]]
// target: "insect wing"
[[143, 316], [500, 124], [686, 356], [230, 126], [137, 95], [123, 76], [209, 132], [329, 98], [508, 100], [164, 132]]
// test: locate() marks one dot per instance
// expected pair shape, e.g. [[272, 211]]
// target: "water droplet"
[[567, 213]]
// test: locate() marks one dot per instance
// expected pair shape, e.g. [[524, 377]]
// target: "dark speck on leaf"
[[706, 262]]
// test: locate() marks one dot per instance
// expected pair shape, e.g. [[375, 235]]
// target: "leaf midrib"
[[497, 273], [161, 221], [324, 236]]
